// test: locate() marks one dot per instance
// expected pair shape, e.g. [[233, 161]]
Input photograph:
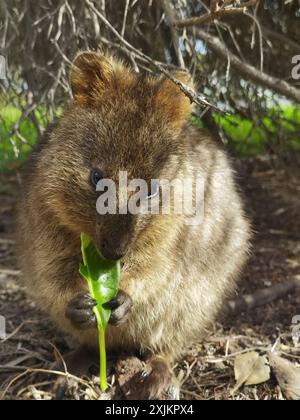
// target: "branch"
[[125, 17], [282, 38], [215, 14], [262, 297], [169, 12], [189, 92], [102, 7], [248, 71]]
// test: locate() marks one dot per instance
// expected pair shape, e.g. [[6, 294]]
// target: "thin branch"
[[8, 272], [189, 92], [103, 7], [281, 38], [215, 15], [131, 54], [125, 17], [226, 3], [260, 34], [169, 12], [262, 297], [248, 71], [228, 28]]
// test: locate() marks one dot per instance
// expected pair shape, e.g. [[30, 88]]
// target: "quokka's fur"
[[177, 275]]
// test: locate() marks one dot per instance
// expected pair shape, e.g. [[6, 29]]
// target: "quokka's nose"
[[110, 251]]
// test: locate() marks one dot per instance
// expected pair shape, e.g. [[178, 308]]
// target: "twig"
[[169, 12], [4, 241], [27, 111], [60, 356], [102, 7], [281, 38], [132, 54], [255, 20], [248, 71], [54, 42], [211, 360], [52, 372], [233, 38], [262, 297], [8, 272], [48, 14], [125, 18], [17, 330], [215, 14], [189, 92]]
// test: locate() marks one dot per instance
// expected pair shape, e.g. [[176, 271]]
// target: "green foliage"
[[15, 149], [12, 150], [279, 129]]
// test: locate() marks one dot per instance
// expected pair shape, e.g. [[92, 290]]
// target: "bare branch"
[[169, 12], [47, 38], [248, 71], [217, 14], [256, 22], [281, 38], [189, 92], [125, 17], [102, 7], [262, 297]]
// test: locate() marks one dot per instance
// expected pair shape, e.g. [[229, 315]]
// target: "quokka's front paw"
[[80, 312], [120, 307]]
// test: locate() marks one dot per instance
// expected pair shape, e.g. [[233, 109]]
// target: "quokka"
[[175, 276]]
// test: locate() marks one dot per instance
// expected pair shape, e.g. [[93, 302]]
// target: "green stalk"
[[103, 278], [101, 340], [103, 380]]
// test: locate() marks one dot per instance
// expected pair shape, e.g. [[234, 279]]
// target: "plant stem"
[[103, 381], [102, 351]]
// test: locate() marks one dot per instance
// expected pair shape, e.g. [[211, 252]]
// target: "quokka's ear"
[[172, 101], [91, 75]]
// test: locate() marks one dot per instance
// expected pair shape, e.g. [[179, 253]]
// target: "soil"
[[207, 371]]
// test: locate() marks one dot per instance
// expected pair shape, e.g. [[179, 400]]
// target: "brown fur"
[[178, 276]]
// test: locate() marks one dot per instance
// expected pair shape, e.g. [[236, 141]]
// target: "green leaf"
[[103, 277]]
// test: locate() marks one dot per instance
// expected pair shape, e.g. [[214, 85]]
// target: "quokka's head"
[[118, 121]]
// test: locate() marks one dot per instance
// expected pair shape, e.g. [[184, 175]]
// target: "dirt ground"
[[32, 343]]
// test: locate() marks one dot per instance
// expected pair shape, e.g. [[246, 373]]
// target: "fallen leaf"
[[250, 369], [287, 375]]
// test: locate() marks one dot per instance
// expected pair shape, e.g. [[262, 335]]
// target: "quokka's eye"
[[154, 191], [96, 176]]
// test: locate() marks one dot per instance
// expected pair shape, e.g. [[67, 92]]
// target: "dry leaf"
[[287, 375], [251, 369]]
